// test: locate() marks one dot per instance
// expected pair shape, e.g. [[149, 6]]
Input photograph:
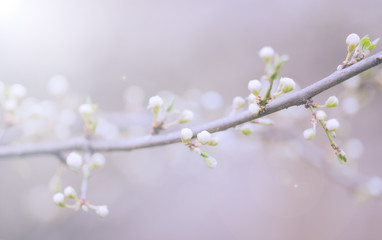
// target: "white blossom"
[[255, 87], [58, 85], [10, 104], [211, 162], [253, 108], [286, 85], [251, 98], [332, 124], [238, 102], [102, 211], [374, 186], [352, 40], [70, 192], [74, 160], [309, 133], [320, 115], [266, 52], [58, 199], [186, 134], [204, 137], [332, 101], [98, 160], [17, 91], [187, 116], [155, 102], [350, 105], [86, 109]]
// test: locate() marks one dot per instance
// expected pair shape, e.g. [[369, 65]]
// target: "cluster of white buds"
[[161, 110], [202, 138], [69, 192], [75, 161], [330, 126], [11, 97], [357, 49]]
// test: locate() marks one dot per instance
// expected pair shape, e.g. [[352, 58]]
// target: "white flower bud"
[[352, 40], [309, 133], [155, 102], [266, 53], [253, 108], [286, 85], [97, 160], [10, 104], [251, 98], [211, 162], [204, 137], [187, 116], [255, 87], [237, 103], [58, 199], [331, 101], [74, 160], [186, 134], [70, 192], [102, 211], [332, 124], [320, 115], [214, 141], [350, 105], [17, 91], [58, 85], [85, 208], [86, 109]]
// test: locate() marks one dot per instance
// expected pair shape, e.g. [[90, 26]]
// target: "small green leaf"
[[365, 42], [246, 131], [94, 125], [204, 154], [169, 108], [373, 44]]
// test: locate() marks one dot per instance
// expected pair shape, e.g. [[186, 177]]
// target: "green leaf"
[[94, 125], [169, 108], [373, 44], [246, 131], [365, 42], [204, 154]]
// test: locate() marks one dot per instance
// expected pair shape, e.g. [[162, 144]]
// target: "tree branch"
[[294, 99]]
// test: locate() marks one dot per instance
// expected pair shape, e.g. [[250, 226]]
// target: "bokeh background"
[[270, 185]]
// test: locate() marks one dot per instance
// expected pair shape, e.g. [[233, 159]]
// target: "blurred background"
[[269, 185]]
